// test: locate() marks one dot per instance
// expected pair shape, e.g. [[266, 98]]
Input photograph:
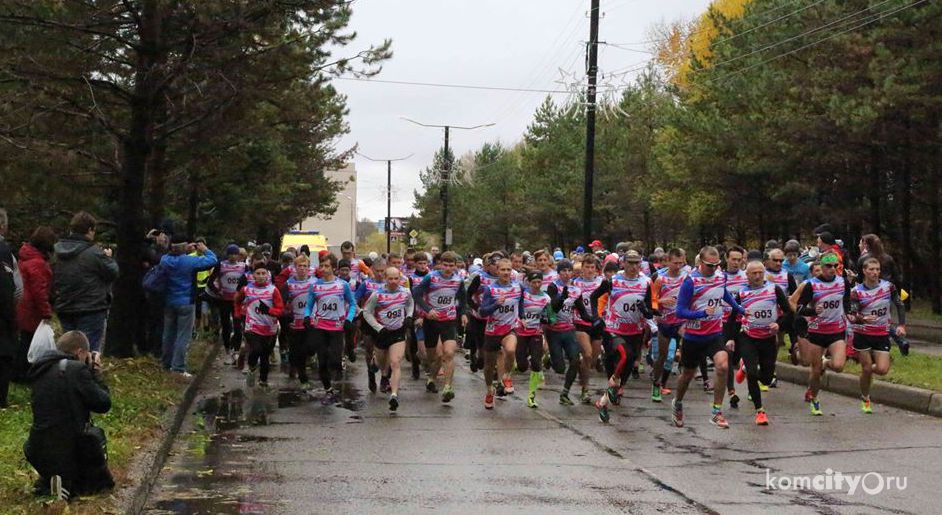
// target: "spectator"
[[66, 387], [179, 308], [7, 257], [793, 265], [7, 314], [34, 307], [157, 245], [82, 276], [872, 247]]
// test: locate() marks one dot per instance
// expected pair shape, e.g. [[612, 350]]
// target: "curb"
[[141, 493], [919, 400]]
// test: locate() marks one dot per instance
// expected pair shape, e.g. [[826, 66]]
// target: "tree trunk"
[[128, 295], [157, 168], [875, 191], [193, 203], [935, 240]]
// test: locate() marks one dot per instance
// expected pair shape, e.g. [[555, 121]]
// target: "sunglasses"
[[778, 260], [711, 265]]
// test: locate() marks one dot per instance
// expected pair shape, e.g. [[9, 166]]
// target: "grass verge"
[[141, 391], [919, 370], [922, 310]]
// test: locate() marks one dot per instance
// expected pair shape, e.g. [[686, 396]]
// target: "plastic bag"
[[44, 339]]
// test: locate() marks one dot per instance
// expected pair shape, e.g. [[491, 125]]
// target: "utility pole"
[[592, 71], [388, 195], [446, 174]]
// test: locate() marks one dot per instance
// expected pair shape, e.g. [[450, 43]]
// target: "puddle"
[[217, 475]]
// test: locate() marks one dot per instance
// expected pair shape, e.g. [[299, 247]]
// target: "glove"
[[408, 323], [263, 308], [347, 325]]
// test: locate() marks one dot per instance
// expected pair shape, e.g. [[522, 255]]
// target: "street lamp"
[[446, 172]]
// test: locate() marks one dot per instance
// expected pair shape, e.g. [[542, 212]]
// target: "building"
[[342, 225]]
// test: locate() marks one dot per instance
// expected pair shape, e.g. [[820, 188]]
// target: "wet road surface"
[[282, 451]]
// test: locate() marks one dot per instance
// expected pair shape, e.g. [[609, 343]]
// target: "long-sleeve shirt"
[[330, 304], [389, 310], [691, 305]]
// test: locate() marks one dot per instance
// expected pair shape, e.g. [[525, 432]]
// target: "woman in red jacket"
[[34, 307]]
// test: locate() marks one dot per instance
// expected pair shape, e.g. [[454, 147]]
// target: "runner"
[[501, 306], [225, 281], [629, 304], [345, 273], [871, 302], [416, 340], [441, 295], [666, 287], [477, 321], [700, 302], [262, 305], [367, 334], [588, 331], [824, 300], [561, 335], [781, 277], [535, 311], [295, 293], [330, 309], [735, 281], [766, 308], [388, 311], [545, 265]]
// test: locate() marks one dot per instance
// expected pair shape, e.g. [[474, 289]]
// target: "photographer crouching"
[[64, 448]]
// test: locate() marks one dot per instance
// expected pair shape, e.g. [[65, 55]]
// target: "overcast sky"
[[502, 43]]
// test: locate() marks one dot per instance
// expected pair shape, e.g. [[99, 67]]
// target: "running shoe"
[[741, 374], [734, 401], [508, 385], [603, 411], [306, 386], [763, 387], [773, 383], [761, 418], [585, 397], [56, 490], [384, 384], [612, 394], [719, 420], [809, 395], [816, 408], [499, 389], [565, 400], [865, 406], [473, 362], [635, 373], [448, 393], [707, 385], [430, 386], [393, 402], [489, 401], [666, 391], [677, 413], [656, 393], [531, 401]]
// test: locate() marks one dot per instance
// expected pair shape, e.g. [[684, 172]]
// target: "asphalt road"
[[281, 451]]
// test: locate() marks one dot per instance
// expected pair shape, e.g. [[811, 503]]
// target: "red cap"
[[322, 253], [596, 243]]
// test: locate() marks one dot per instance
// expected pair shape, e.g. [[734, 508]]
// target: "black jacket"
[[63, 400], [8, 342], [81, 276]]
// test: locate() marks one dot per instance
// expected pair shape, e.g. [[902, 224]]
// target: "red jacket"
[[37, 281]]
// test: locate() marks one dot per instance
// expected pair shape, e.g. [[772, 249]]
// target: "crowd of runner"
[[597, 312]]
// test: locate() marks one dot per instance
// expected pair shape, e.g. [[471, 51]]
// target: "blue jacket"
[[181, 276]]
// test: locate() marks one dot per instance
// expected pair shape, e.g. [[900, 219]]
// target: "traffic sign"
[[414, 234]]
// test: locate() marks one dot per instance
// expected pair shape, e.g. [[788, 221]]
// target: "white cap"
[[373, 256], [477, 262]]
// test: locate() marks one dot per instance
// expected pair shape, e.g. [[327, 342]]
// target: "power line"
[[878, 17], [459, 86], [766, 24], [806, 33]]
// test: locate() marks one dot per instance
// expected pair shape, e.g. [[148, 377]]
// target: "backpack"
[[155, 280]]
